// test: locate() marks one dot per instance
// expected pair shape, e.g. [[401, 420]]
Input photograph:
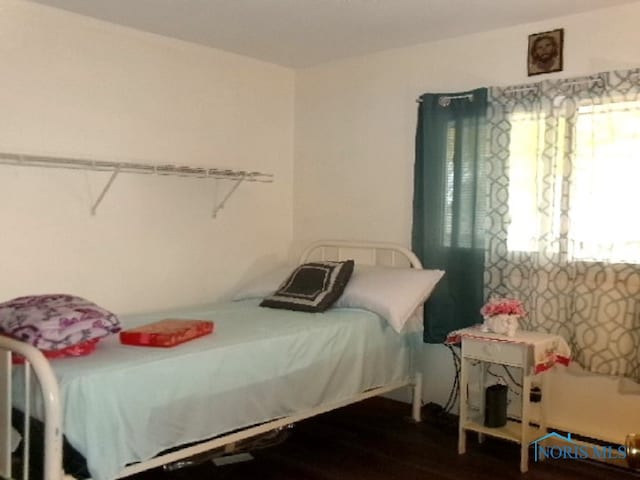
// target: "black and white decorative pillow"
[[312, 287]]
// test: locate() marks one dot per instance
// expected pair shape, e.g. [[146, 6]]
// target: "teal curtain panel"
[[449, 206]]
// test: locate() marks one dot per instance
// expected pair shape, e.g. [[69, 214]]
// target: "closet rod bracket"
[[106, 188], [220, 206]]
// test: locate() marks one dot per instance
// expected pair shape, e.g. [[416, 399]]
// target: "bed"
[[129, 409]]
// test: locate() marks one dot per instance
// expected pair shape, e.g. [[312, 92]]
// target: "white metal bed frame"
[[368, 253]]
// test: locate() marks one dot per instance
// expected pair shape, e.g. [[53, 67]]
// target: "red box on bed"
[[166, 333]]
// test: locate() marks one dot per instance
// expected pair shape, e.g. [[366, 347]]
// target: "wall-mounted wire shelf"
[[42, 161]]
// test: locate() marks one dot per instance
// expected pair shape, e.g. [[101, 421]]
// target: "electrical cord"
[[511, 377], [455, 388], [514, 391]]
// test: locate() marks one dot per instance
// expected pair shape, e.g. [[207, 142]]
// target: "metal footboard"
[[34, 363]]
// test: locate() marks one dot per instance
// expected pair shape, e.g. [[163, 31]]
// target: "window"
[[464, 191], [605, 194], [574, 183]]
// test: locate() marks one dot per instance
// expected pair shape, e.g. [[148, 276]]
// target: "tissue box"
[[166, 333]]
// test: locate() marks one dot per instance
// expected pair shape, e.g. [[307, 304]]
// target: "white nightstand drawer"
[[496, 352]]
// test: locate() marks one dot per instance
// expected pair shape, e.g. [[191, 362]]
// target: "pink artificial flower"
[[503, 306]]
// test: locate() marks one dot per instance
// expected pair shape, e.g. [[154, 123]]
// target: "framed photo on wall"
[[544, 54]]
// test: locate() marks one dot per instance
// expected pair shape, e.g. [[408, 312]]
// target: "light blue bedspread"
[[125, 404]]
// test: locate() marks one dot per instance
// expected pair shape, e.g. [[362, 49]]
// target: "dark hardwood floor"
[[375, 440]]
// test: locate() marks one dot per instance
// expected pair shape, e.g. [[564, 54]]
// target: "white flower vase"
[[503, 323]]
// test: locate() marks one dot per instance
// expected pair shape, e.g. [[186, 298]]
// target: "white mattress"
[[125, 404]]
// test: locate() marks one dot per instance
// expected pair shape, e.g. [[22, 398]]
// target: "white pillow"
[[392, 293], [264, 285], [415, 323]]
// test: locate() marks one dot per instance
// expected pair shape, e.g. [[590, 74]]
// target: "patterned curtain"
[[564, 228]]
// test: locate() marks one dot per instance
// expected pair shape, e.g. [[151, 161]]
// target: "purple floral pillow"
[[55, 322]]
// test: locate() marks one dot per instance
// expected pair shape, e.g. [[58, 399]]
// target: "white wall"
[[75, 86], [355, 128]]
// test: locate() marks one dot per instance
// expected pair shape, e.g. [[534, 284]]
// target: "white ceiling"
[[301, 33]]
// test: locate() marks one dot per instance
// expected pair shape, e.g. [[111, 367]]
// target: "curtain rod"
[[595, 79], [599, 78], [445, 100]]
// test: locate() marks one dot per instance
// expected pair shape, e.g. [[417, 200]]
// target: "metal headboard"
[[364, 253]]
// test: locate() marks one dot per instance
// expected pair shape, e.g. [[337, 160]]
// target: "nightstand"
[[532, 352]]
